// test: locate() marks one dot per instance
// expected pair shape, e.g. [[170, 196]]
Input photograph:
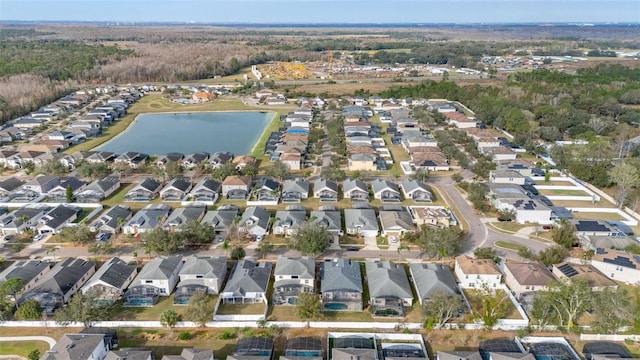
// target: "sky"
[[324, 11]]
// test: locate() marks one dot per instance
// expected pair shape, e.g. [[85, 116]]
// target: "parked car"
[[353, 248], [102, 236], [38, 237]]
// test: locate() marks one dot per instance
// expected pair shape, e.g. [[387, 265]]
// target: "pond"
[[158, 134]]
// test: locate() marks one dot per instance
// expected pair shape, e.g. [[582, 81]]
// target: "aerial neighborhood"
[[278, 222]]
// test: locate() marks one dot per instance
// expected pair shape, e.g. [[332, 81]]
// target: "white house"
[[618, 265], [161, 273], [506, 177], [477, 273]]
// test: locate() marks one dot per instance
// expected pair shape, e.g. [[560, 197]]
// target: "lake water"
[[158, 134]]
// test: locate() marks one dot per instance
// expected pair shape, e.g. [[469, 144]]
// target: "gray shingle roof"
[[323, 184], [304, 267], [63, 276], [295, 185], [184, 216], [379, 185], [386, 278], [131, 354], [394, 219], [75, 347], [331, 219], [363, 218], [24, 270], [159, 269], [220, 219], [209, 267], [349, 185], [248, 276], [340, 274], [114, 272], [430, 279]]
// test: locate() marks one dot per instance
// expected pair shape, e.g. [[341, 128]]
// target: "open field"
[[597, 216], [583, 204], [561, 192]]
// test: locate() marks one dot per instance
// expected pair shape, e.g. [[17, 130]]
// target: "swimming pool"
[[292, 301], [335, 306]]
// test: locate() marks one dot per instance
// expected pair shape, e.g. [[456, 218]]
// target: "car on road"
[[353, 248], [38, 237]]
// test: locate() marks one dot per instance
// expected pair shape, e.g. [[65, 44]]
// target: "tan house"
[[569, 271], [432, 216], [523, 278], [236, 187], [242, 161], [362, 162], [477, 273], [293, 161]]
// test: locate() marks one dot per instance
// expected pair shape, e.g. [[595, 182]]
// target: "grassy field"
[[508, 226], [556, 183], [22, 348], [561, 192], [510, 245], [583, 204], [597, 216]]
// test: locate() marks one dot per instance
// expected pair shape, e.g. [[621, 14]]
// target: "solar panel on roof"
[[620, 261], [568, 270]]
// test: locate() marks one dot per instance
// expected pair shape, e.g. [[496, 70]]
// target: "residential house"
[[79, 347], [331, 219], [129, 354], [356, 190], [236, 187], [287, 221], [111, 221], [566, 271], [341, 285], [42, 184], [29, 272], [200, 274], [385, 191], [218, 159], [326, 190], [181, 216], [57, 286], [221, 219], [9, 185], [242, 161], [252, 348], [596, 228], [389, 288], [19, 159], [57, 218], [147, 219], [99, 189], [477, 273], [157, 278], [101, 157], [204, 192], [146, 190], [507, 177], [266, 190], [192, 160], [396, 223], [352, 347], [110, 281], [432, 216], [430, 279], [294, 190], [362, 162], [191, 354], [254, 221], [293, 276], [361, 222], [416, 191], [523, 278], [59, 193], [617, 265], [176, 189], [247, 283], [17, 221], [173, 157], [132, 158], [6, 155]]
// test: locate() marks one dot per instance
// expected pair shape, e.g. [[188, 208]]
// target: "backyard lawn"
[[583, 204], [476, 302], [561, 192], [22, 348], [152, 313], [597, 216], [244, 309]]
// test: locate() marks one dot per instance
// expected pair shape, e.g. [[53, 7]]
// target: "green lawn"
[[510, 245], [22, 348], [117, 198], [597, 216], [244, 309], [153, 312], [560, 192], [508, 226]]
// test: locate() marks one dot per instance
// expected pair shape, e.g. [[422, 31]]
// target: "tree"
[[93, 170], [227, 169], [308, 306], [76, 235], [278, 170], [565, 234], [627, 177], [493, 306], [34, 355], [10, 288], [441, 308], [29, 310], [568, 300], [194, 233], [506, 215], [29, 167], [552, 255], [332, 173], [543, 312], [172, 169], [200, 308], [238, 253], [437, 242], [421, 174], [401, 247], [169, 318], [101, 247], [264, 247], [52, 250], [52, 167], [310, 238], [84, 308], [161, 241], [487, 253], [613, 309], [69, 194]]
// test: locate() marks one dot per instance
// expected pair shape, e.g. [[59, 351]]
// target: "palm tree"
[[52, 251], [400, 248]]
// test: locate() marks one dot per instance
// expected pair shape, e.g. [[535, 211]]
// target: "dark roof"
[[63, 277], [59, 215], [180, 183], [114, 272], [499, 345], [605, 348], [551, 351], [354, 342], [591, 225], [253, 346], [24, 270], [149, 184], [11, 184], [302, 343]]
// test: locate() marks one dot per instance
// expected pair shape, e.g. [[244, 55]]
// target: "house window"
[[294, 276], [148, 281], [466, 276], [526, 288], [472, 285], [199, 276], [306, 282], [163, 290], [533, 288]]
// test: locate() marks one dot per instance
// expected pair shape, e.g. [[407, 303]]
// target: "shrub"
[[184, 336]]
